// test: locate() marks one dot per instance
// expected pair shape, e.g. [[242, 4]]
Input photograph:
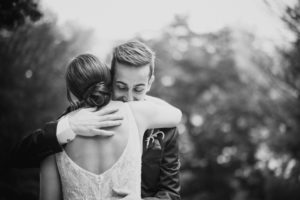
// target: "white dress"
[[121, 181]]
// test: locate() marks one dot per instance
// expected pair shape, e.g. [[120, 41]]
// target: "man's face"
[[131, 83]]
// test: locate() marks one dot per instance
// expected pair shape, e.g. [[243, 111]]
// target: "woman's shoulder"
[[115, 104], [121, 106]]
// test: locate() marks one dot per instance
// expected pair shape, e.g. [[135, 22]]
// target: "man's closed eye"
[[120, 87], [139, 90]]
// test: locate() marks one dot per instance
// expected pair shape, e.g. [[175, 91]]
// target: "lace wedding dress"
[[121, 181]]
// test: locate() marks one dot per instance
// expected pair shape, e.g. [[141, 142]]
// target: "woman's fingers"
[[110, 117], [109, 123], [101, 132], [106, 111]]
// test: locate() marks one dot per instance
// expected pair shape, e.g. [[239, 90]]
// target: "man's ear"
[[151, 80]]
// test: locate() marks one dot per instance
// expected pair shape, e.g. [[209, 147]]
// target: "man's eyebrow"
[[141, 84], [120, 82]]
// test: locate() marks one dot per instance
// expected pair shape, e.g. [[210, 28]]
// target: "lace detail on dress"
[[121, 181]]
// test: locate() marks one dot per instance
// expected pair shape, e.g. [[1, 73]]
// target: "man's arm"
[[32, 149], [169, 183]]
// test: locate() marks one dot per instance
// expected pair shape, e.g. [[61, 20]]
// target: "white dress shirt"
[[64, 132]]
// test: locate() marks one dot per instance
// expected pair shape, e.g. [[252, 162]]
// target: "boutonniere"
[[152, 136]]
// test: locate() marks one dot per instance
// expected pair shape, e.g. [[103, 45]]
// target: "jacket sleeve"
[[33, 148], [169, 184]]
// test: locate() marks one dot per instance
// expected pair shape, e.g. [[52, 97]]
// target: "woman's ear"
[[151, 80]]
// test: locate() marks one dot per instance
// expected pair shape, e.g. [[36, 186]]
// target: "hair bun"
[[97, 95]]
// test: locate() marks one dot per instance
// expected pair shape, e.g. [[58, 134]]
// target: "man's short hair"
[[133, 53]]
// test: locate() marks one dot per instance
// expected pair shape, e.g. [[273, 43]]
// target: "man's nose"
[[128, 97], [124, 99]]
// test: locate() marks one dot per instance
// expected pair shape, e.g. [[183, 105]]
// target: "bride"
[[102, 167]]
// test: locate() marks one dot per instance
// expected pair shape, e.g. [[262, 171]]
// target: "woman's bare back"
[[103, 168], [98, 154]]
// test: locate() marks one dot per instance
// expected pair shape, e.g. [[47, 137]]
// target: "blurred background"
[[233, 67]]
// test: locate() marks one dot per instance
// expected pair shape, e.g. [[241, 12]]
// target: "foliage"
[[32, 90], [15, 13], [237, 126]]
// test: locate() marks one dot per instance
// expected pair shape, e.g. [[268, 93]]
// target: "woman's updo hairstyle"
[[89, 80]]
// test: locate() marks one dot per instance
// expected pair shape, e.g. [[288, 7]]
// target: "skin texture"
[[131, 83]]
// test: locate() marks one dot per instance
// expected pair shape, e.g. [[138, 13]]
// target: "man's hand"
[[88, 122]]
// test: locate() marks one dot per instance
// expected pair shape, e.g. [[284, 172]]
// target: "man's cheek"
[[117, 96]]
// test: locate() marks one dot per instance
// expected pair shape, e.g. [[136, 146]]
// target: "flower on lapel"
[[152, 136]]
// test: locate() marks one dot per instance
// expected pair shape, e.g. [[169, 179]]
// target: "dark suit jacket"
[[160, 165], [33, 148], [160, 161]]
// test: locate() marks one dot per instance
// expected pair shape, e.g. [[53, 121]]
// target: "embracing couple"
[[114, 141]]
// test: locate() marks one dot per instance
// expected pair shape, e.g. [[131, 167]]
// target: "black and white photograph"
[[150, 99]]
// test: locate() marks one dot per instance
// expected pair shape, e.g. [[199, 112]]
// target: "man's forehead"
[[131, 74]]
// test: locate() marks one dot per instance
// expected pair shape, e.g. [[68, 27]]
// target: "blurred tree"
[[288, 78], [15, 13], [285, 78], [233, 117], [32, 90], [200, 73]]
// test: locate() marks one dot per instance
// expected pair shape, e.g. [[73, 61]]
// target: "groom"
[[133, 73]]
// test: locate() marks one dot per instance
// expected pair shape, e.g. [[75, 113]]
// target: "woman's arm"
[[155, 113], [156, 100], [50, 185]]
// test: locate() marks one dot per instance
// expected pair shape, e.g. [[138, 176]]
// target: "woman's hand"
[[88, 122]]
